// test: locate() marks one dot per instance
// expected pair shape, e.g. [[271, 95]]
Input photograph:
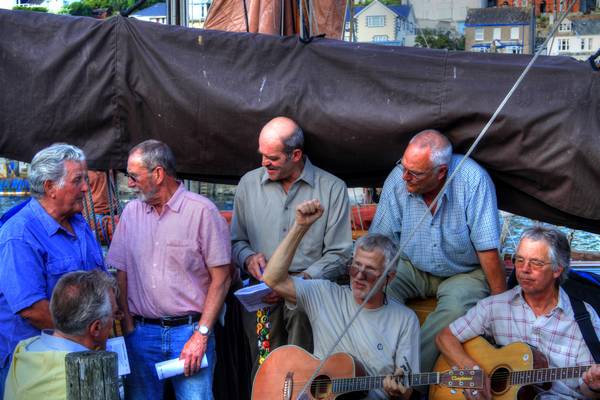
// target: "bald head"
[[433, 142], [283, 131]]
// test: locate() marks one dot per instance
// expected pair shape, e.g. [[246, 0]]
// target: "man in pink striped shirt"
[[172, 253]]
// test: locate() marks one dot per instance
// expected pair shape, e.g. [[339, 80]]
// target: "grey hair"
[[559, 249], [294, 141], [49, 165], [377, 241], [155, 153], [80, 298], [441, 148]]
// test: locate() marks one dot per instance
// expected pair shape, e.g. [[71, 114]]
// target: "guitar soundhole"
[[499, 380], [321, 387]]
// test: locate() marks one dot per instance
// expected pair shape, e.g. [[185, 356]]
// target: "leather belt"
[[169, 321]]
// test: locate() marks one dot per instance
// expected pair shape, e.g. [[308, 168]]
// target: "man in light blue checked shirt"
[[453, 253]]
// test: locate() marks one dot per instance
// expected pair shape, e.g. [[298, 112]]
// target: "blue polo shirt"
[[35, 251]]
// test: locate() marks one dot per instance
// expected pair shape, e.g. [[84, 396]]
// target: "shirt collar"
[[57, 343], [50, 225], [307, 175], [174, 203], [561, 305]]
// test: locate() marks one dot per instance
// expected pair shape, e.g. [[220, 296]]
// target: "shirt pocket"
[[181, 255], [60, 266], [457, 241]]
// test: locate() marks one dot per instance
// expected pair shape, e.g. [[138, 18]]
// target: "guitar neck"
[[362, 383], [543, 375]]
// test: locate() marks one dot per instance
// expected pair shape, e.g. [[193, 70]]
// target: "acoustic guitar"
[[511, 369], [285, 372]]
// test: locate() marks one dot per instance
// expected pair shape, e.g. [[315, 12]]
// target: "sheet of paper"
[[117, 344], [174, 367], [251, 296]]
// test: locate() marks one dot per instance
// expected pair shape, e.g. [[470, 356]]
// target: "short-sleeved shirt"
[[36, 251], [167, 257], [465, 221], [508, 318], [379, 338], [263, 213]]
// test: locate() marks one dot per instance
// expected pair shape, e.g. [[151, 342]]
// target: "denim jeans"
[[3, 375], [149, 344]]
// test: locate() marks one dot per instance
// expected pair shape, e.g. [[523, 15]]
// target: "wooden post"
[[92, 375]]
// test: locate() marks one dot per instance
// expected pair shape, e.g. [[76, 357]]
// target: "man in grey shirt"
[[384, 336], [265, 201]]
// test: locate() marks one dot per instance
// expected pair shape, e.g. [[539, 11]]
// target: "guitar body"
[[285, 371], [496, 362]]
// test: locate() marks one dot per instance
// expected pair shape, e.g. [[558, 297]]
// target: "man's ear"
[[50, 188], [94, 328], [442, 171], [296, 155]]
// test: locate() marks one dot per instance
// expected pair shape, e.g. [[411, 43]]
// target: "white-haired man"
[[453, 253], [46, 239]]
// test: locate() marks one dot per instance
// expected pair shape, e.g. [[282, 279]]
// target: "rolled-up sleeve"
[[240, 244]]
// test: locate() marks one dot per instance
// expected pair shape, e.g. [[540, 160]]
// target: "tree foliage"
[[439, 40], [86, 7], [34, 8]]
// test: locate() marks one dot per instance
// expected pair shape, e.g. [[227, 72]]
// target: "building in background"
[[382, 24], [155, 13], [551, 6], [500, 30], [578, 36], [444, 15]]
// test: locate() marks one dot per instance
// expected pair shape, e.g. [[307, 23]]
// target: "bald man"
[[265, 202], [450, 252]]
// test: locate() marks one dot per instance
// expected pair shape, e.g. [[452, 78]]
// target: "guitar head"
[[462, 378]]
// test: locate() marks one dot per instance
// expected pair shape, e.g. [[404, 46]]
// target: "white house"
[[376, 22], [155, 13], [577, 37], [197, 11]]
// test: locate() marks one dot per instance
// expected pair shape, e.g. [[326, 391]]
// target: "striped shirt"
[[465, 221], [508, 318]]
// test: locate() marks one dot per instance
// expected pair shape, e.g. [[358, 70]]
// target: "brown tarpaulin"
[[107, 85], [265, 16]]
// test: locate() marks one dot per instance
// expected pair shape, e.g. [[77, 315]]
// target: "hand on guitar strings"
[[393, 387], [479, 394], [591, 378]]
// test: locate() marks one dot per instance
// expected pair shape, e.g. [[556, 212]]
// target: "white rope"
[[394, 261]]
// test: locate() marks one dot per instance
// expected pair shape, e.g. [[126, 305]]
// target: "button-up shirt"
[[508, 318], [263, 213], [167, 256], [36, 251], [466, 220]]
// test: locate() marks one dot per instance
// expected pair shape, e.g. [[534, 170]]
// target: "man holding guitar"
[[537, 312], [385, 335]]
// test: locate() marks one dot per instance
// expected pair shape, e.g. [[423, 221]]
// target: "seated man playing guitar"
[[537, 312], [385, 334]]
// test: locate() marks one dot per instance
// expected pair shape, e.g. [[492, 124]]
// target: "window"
[[563, 44], [380, 38], [374, 21], [514, 50], [514, 32], [479, 34], [497, 34], [582, 44], [565, 26], [590, 47]]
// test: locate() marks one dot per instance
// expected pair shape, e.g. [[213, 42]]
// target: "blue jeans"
[[149, 344], [3, 375]]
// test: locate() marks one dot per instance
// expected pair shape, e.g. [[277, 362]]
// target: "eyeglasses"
[[414, 174], [534, 263], [135, 178], [369, 273]]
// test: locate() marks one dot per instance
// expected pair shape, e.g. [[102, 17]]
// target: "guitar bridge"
[[288, 386]]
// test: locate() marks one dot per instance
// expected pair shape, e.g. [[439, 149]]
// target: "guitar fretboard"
[[361, 383], [543, 375]]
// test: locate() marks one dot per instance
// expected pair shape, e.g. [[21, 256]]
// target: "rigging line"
[[393, 262]]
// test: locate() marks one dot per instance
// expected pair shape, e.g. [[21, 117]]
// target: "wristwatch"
[[203, 330]]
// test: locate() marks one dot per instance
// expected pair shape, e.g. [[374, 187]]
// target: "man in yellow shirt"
[[82, 307]]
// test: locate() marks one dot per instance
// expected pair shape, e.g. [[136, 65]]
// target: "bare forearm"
[[494, 270], [217, 291], [277, 267], [38, 314], [453, 350]]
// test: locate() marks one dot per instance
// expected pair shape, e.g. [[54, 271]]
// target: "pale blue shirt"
[[48, 342], [465, 221]]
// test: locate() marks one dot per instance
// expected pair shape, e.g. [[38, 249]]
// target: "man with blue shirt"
[[450, 252], [83, 308], [43, 241]]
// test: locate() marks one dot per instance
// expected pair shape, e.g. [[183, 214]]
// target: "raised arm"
[[276, 275]]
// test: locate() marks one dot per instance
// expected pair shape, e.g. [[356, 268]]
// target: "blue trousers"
[[149, 344]]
